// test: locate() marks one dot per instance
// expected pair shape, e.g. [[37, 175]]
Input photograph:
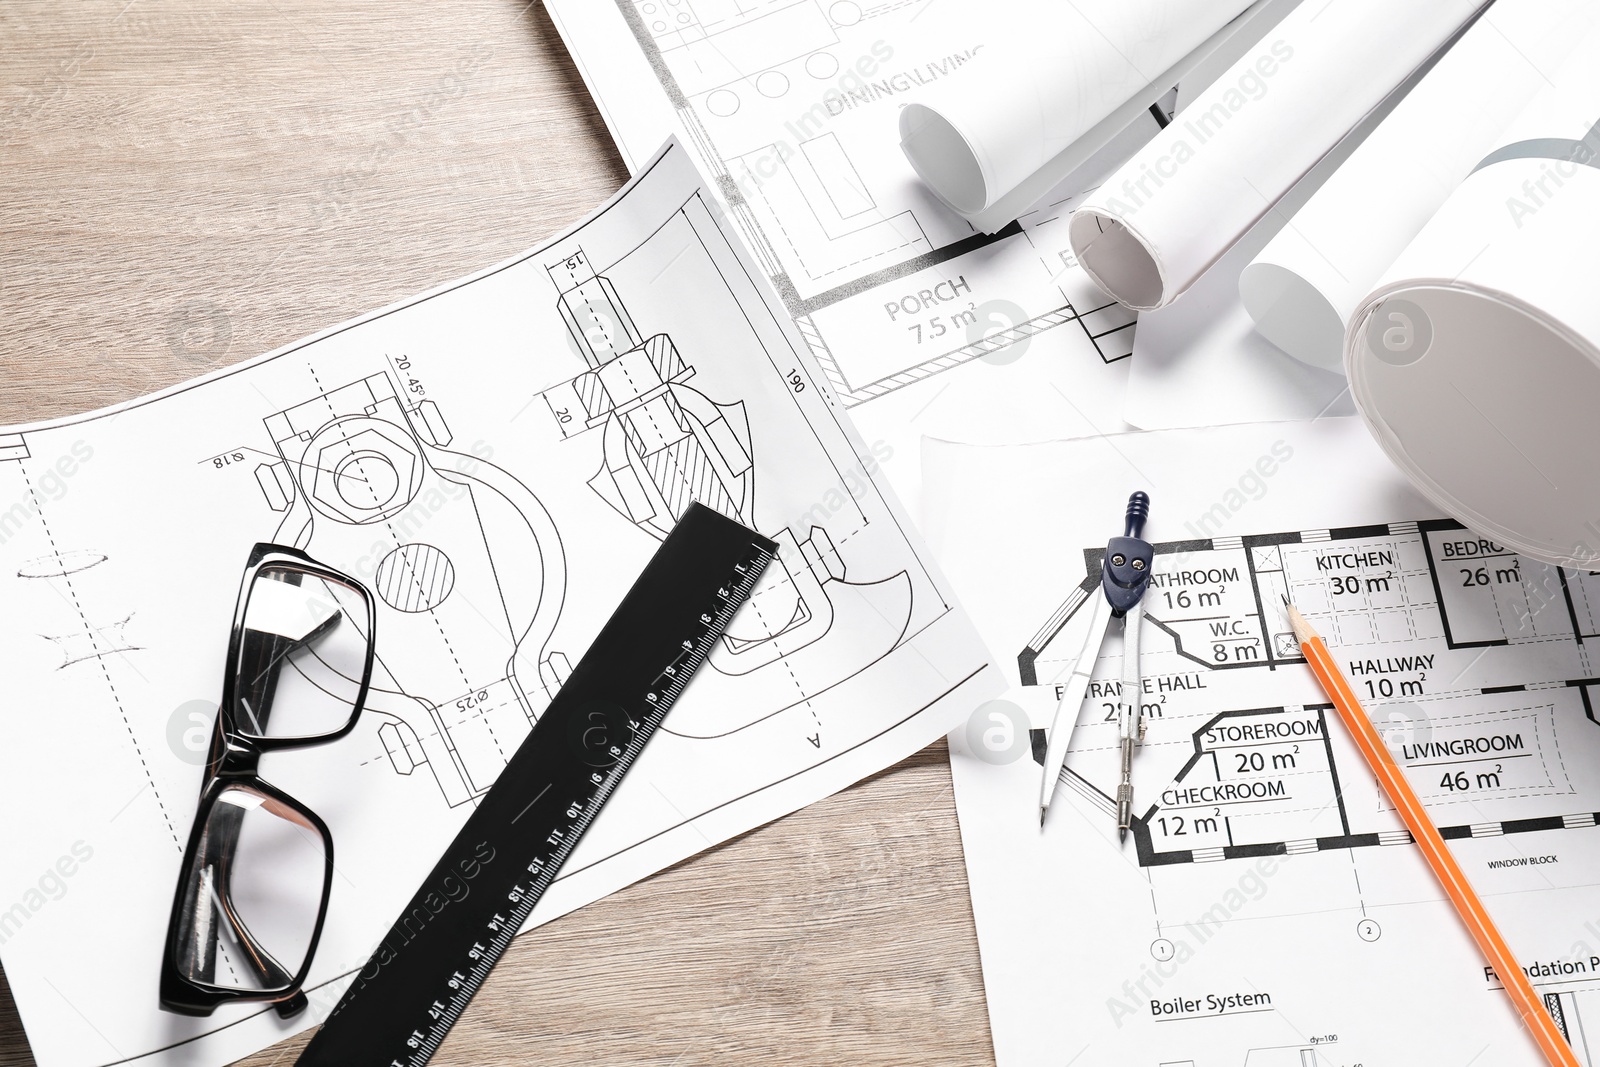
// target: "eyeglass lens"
[[300, 656], [252, 896]]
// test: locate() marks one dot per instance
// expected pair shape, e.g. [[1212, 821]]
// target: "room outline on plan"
[[1476, 663], [782, 103]]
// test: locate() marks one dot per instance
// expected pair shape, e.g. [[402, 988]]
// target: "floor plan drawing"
[[1264, 781], [1261, 845], [790, 106], [495, 460], [1569, 1017]]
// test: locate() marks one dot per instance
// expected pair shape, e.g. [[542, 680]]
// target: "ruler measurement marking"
[[471, 972], [507, 932]]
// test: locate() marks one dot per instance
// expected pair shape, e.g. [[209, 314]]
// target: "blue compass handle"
[[1138, 512], [1126, 572]]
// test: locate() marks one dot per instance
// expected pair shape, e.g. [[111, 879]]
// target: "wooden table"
[[186, 185]]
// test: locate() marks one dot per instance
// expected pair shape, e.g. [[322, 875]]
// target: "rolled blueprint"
[[1476, 360], [1188, 195], [1041, 83], [1306, 283]]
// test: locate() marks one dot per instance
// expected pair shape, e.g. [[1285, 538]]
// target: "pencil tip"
[[1297, 622], [1042, 810], [1286, 599]]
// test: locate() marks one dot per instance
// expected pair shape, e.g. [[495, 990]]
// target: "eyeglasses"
[[253, 890]]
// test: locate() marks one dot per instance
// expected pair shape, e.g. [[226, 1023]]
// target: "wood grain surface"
[[186, 185]]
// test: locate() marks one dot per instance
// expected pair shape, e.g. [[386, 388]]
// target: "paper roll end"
[[1293, 314], [943, 158], [1117, 259], [1487, 406]]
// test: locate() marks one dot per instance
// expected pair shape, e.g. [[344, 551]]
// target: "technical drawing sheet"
[[1268, 908], [922, 324], [496, 460]]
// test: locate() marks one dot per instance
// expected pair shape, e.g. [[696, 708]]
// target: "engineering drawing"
[[664, 443], [1270, 909], [1491, 704], [410, 450], [785, 102], [359, 473]]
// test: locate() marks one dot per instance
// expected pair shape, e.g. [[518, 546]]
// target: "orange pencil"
[[1434, 850]]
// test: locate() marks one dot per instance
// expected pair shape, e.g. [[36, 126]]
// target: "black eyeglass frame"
[[231, 763]]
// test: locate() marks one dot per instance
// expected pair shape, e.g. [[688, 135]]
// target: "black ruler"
[[419, 981]]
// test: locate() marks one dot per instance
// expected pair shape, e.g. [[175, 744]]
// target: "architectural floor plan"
[[495, 460], [1451, 629], [792, 106], [1262, 847]]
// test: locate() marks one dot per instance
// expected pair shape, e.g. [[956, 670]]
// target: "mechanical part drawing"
[[495, 460], [357, 461], [665, 443]]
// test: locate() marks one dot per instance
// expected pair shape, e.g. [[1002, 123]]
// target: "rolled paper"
[[1305, 285], [1201, 183], [1043, 82], [1476, 359]]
